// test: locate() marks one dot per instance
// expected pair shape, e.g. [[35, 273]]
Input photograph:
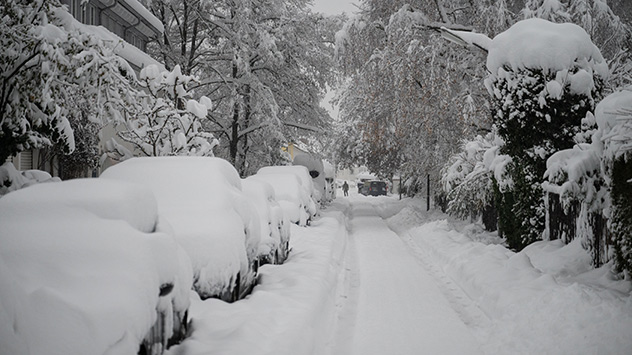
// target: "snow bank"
[[79, 272], [200, 199], [290, 311], [543, 300]]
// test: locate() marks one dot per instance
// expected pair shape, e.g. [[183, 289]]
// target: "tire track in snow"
[[348, 294], [463, 305]]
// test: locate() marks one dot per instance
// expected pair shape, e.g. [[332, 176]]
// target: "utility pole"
[[428, 193]]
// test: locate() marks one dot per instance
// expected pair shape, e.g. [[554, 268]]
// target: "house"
[[128, 26]]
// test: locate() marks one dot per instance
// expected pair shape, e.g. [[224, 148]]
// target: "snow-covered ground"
[[374, 275]]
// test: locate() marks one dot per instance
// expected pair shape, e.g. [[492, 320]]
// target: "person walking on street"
[[345, 188]]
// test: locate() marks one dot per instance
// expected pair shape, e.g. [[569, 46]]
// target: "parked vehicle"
[[275, 226], [330, 184], [83, 270], [201, 200], [293, 198], [316, 170], [374, 188], [305, 180]]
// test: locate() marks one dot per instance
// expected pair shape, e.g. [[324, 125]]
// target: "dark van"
[[374, 188]]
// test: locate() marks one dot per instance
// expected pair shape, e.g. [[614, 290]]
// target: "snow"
[[292, 198], [126, 50], [546, 299], [200, 198], [315, 166], [196, 108], [392, 305], [11, 179], [274, 224], [290, 311], [307, 185], [614, 121], [145, 14], [371, 275], [468, 38], [79, 271], [536, 43]]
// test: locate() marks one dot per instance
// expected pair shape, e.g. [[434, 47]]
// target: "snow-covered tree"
[[265, 65], [418, 95], [55, 75], [167, 120], [468, 180]]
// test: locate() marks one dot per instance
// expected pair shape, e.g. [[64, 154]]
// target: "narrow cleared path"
[[389, 303]]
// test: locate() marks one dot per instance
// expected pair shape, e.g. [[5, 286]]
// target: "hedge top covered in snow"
[[540, 44]]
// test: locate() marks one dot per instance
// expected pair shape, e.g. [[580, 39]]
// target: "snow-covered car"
[[316, 171], [330, 184], [275, 226], [297, 205], [201, 200], [84, 271], [305, 180]]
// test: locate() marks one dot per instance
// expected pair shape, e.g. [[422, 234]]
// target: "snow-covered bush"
[[544, 78], [201, 201], [598, 175], [468, 180], [11, 179], [83, 271], [167, 121]]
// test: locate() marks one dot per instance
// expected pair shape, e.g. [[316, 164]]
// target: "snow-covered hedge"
[[598, 175], [544, 78]]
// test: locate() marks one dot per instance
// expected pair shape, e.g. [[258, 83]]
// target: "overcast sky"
[[332, 7]]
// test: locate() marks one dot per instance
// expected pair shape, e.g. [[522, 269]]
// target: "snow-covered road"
[[389, 303], [374, 275]]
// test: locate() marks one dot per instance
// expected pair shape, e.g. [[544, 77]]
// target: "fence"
[[576, 221]]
